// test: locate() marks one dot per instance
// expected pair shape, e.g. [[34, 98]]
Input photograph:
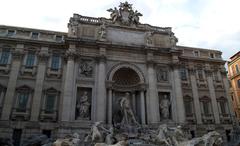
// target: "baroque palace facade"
[[57, 83]]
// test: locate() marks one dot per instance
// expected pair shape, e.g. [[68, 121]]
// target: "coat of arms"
[[125, 14]]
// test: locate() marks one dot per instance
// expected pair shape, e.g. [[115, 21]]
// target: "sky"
[[211, 24]]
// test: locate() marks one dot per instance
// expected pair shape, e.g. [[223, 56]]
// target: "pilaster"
[[196, 102], [69, 84], [152, 99], [177, 86], [16, 63], [226, 88], [208, 73], [100, 113], [36, 102]]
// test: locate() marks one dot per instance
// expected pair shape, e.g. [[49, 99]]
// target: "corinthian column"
[[16, 63], [100, 113], [68, 84], [36, 102]]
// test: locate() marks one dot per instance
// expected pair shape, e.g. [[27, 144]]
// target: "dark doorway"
[[47, 133], [228, 134], [17, 133], [192, 133]]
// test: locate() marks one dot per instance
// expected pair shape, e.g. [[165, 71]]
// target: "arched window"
[[2, 95], [30, 59]]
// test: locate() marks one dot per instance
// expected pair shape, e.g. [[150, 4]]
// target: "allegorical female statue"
[[164, 107], [83, 106]]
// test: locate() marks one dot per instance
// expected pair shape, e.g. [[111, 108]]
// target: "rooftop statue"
[[125, 14]]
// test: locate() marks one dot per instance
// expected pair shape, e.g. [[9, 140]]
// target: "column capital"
[[208, 72], [101, 58], [43, 55], [71, 53], [18, 53], [192, 70]]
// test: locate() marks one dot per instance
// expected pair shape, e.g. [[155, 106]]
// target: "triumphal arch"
[[115, 70]]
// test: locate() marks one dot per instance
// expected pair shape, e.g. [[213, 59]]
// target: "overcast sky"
[[212, 24]]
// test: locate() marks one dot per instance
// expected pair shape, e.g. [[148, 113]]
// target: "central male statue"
[[128, 116]]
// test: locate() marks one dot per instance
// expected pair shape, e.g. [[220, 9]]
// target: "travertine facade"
[[234, 77], [57, 83]]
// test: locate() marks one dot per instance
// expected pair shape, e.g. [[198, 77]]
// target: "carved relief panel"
[[83, 103], [85, 68], [162, 74]]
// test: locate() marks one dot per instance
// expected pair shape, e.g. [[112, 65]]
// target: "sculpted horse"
[[68, 141], [120, 143], [210, 139]]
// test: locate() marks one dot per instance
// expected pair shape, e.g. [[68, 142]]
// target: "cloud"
[[197, 23]]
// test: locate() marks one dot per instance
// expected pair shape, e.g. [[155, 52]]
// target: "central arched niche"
[[126, 77]]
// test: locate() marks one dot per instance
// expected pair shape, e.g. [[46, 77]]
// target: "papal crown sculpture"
[[125, 14]]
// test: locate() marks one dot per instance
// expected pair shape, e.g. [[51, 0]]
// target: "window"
[[30, 59], [238, 83], [237, 69], [22, 101], [4, 57], [55, 64], [200, 75], [183, 74], [188, 103], [206, 106], [49, 104], [196, 53], [212, 55], [222, 105], [59, 38], [10, 33], [35, 35]]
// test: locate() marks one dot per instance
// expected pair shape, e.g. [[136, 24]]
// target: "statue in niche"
[[128, 116], [83, 106], [85, 69], [164, 107], [162, 75]]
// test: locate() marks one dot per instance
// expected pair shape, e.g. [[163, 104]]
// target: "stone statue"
[[114, 14], [83, 106], [85, 69], [177, 135], [164, 107], [135, 16], [109, 139], [149, 39], [120, 143], [102, 32], [69, 140], [162, 135], [128, 116], [95, 134], [173, 40], [125, 14]]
